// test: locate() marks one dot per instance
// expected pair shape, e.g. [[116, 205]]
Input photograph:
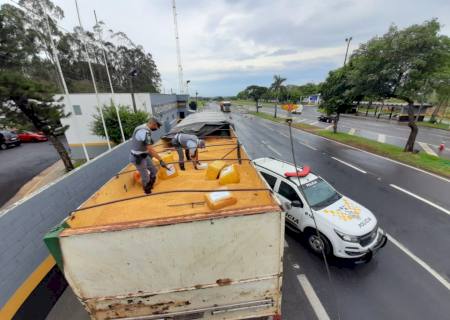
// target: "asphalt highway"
[[380, 130], [19, 165], [409, 278]]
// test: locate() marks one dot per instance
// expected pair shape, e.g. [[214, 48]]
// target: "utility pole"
[[109, 79], [63, 81], [92, 76], [196, 94], [347, 40], [187, 86], [133, 73], [177, 42]]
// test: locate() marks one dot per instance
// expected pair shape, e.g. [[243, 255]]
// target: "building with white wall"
[[166, 107]]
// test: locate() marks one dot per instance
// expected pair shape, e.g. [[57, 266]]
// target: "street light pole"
[[346, 51], [133, 73], [187, 86], [196, 94], [63, 80]]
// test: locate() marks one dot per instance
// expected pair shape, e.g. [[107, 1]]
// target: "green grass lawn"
[[78, 162], [442, 126], [267, 116], [252, 103], [420, 160]]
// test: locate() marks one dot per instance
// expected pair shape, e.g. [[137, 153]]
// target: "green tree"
[[255, 93], [25, 100], [278, 89], [130, 120], [441, 94], [399, 65], [22, 98], [337, 94]]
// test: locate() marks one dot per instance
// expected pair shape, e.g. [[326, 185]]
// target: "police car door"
[[287, 192]]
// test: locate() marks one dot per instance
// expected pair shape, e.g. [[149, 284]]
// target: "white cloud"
[[225, 40]]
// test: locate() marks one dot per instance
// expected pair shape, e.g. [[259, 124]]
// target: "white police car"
[[346, 228]]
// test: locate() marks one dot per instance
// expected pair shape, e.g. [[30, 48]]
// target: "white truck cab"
[[346, 228]]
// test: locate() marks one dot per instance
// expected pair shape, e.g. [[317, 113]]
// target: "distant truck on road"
[[205, 244], [225, 106]]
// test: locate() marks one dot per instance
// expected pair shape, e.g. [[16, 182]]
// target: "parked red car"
[[28, 136]]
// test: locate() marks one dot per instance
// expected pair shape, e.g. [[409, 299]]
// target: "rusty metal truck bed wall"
[[177, 267]]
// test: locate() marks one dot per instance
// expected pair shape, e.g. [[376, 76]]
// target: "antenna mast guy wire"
[[289, 121], [92, 76], [109, 79]]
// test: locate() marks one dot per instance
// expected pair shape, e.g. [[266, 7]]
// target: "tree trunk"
[[256, 101], [368, 106], [22, 104], [275, 114], [62, 152], [409, 147], [335, 123], [435, 113]]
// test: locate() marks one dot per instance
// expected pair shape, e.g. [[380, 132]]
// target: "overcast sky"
[[229, 44]]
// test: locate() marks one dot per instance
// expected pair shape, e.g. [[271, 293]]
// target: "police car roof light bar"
[[302, 173]]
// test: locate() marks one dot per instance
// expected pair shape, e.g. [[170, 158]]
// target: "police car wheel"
[[3, 146], [318, 243]]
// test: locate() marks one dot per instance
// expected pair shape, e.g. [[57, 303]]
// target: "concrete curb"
[[46, 176]]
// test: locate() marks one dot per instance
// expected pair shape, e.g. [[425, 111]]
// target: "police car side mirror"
[[286, 206], [297, 204]]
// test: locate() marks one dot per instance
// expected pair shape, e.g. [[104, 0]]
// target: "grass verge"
[[78, 162], [442, 126], [252, 103], [440, 166]]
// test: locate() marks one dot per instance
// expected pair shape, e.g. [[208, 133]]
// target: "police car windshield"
[[319, 193]]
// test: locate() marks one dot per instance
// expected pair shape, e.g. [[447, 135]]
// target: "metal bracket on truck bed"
[[200, 313]]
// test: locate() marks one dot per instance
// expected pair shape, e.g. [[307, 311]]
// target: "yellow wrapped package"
[[219, 199], [229, 175], [172, 172], [213, 170]]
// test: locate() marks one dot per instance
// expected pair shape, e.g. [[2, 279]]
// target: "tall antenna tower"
[[177, 40]]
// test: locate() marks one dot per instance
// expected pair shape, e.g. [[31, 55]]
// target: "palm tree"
[[277, 87]]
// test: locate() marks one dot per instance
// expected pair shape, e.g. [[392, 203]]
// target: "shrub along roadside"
[[440, 166]]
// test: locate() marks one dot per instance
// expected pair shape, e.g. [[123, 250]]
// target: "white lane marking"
[[350, 165], [378, 156], [382, 138], [317, 306], [329, 127], [296, 266], [427, 149], [301, 120], [364, 151], [421, 199], [352, 131], [271, 148], [306, 145], [420, 262], [284, 134], [286, 244], [314, 123]]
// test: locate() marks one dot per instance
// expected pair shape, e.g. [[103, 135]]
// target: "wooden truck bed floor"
[[121, 200]]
